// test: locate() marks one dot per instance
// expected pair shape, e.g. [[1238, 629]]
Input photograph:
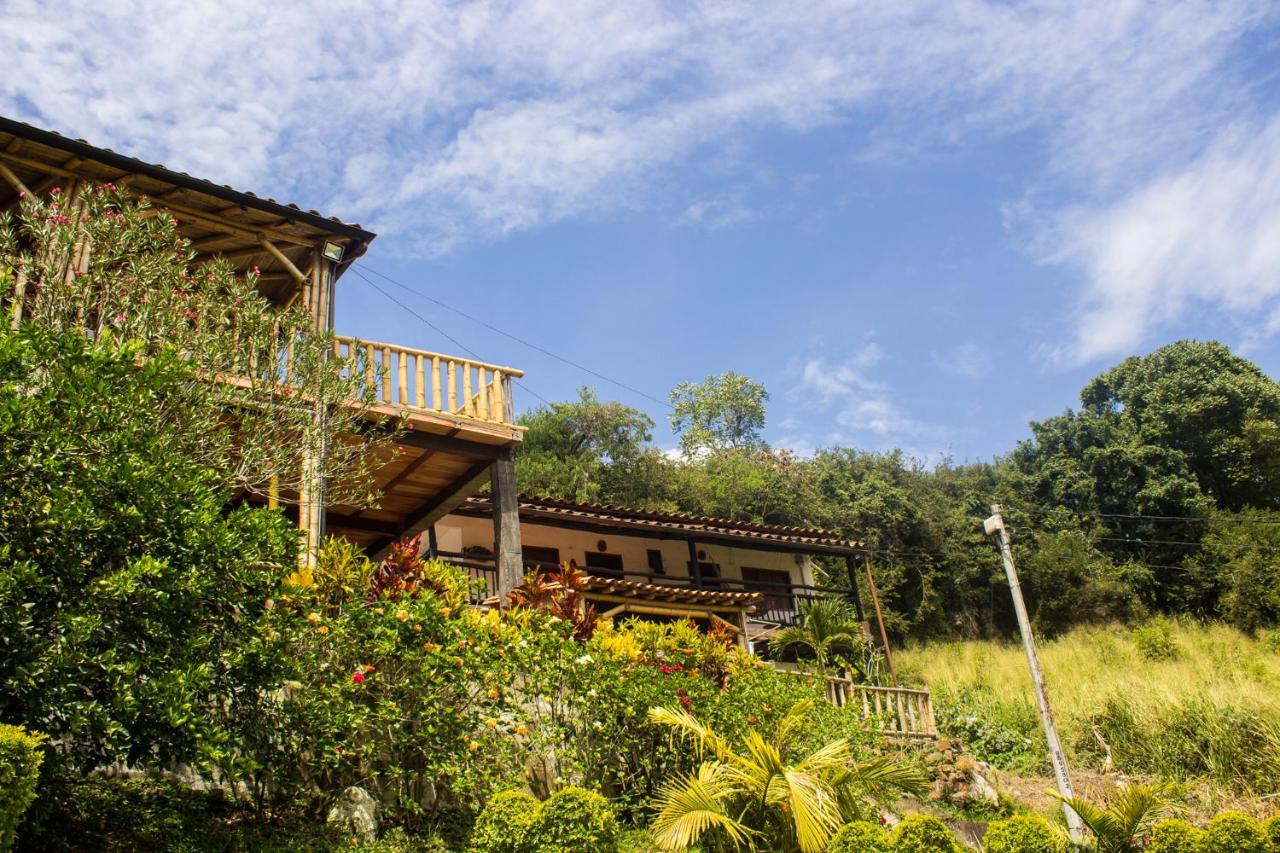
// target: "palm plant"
[[827, 626], [1126, 819], [760, 798]]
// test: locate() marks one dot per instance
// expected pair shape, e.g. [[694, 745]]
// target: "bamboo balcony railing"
[[899, 710], [418, 380]]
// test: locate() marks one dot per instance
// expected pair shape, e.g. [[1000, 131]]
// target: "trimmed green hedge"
[[924, 834], [1020, 834], [502, 825], [1233, 832], [1175, 836], [861, 837], [572, 820], [20, 755]]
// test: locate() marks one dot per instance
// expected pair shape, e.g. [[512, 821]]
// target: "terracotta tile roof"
[[673, 525], [708, 598]]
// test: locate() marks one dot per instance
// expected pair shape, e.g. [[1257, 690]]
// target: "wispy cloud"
[[442, 124], [1207, 233], [967, 359]]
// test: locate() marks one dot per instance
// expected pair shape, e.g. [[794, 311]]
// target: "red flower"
[[357, 677], [686, 702]]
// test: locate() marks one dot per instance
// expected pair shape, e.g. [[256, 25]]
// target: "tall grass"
[[1208, 707]]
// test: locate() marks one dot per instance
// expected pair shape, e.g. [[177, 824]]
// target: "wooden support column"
[[433, 545], [695, 567], [850, 565], [312, 497], [506, 523]]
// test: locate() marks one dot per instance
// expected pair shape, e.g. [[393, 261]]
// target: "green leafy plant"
[[920, 833], [20, 755], [342, 574], [1121, 824], [861, 836], [503, 824], [574, 820], [1021, 834], [827, 627], [1155, 640], [760, 797], [561, 594], [1235, 832], [1174, 835]]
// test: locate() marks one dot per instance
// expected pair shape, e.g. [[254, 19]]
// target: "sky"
[[920, 225]]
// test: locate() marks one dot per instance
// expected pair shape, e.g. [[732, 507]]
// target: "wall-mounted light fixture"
[[333, 251]]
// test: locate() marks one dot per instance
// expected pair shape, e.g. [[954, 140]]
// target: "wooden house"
[[754, 577], [459, 411]]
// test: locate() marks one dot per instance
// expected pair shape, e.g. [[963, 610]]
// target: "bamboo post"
[[499, 397], [467, 402], [453, 387], [482, 410], [884, 635], [435, 382], [19, 295], [386, 374], [402, 385], [420, 381], [370, 376]]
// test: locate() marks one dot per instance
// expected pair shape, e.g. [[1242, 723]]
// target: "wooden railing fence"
[[901, 711], [431, 382]]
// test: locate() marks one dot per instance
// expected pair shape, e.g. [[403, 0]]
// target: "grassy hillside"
[[1174, 700]]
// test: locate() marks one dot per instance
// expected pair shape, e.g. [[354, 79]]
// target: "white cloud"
[[440, 124], [967, 359], [1204, 234], [452, 122], [863, 406]]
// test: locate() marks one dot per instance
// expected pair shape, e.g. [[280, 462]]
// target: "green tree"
[[719, 413], [130, 597], [827, 627], [580, 450]]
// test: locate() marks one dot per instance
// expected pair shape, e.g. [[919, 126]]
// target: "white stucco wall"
[[455, 532]]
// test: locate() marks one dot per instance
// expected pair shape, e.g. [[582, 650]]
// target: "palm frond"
[[791, 722], [814, 808], [883, 776], [689, 806], [687, 726]]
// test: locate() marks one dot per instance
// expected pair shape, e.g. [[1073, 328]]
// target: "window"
[[604, 565], [655, 562], [710, 573], [776, 586], [543, 559]]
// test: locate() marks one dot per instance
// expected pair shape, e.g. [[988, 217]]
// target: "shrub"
[[861, 837], [1175, 836], [1233, 832], [574, 820], [1155, 640], [504, 823], [1020, 834], [20, 756], [1271, 831], [922, 833]]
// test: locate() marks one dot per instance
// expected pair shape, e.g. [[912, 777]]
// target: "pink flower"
[[119, 319], [357, 677], [256, 271], [109, 185], [55, 191]]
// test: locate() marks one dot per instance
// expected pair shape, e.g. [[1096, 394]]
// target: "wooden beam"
[[13, 180], [436, 508], [449, 444], [506, 523], [367, 525], [284, 260], [695, 565]]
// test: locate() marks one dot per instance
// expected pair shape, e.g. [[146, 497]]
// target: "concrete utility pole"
[[994, 526]]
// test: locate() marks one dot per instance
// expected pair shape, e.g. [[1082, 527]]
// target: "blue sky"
[[920, 225]]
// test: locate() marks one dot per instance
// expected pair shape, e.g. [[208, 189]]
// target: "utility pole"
[[994, 526]]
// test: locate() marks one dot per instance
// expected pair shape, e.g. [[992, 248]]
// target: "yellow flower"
[[313, 617], [473, 746], [522, 730], [418, 628], [491, 724], [446, 612], [402, 615], [493, 693], [323, 629]]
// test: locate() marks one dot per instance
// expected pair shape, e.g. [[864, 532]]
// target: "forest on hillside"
[[1158, 494]]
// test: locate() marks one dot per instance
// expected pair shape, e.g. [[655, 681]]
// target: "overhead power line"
[[1196, 519], [459, 344], [506, 334]]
